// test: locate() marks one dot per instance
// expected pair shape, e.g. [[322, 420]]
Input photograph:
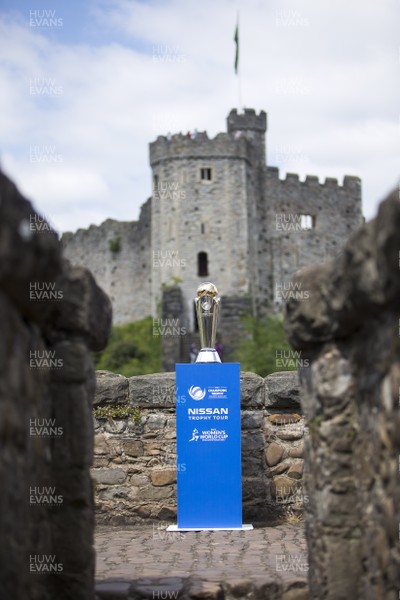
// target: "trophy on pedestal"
[[208, 439], [207, 309]]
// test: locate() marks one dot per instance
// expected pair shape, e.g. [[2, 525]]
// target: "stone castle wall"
[[334, 212], [348, 328], [135, 464], [51, 315], [118, 254]]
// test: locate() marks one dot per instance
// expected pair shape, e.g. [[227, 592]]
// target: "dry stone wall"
[[135, 462], [51, 314], [348, 328]]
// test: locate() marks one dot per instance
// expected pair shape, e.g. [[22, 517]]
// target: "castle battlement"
[[247, 121], [245, 134], [350, 182], [181, 147]]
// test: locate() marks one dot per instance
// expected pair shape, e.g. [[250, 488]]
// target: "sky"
[[87, 85]]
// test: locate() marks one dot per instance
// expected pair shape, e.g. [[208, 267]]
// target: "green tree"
[[131, 350], [263, 348]]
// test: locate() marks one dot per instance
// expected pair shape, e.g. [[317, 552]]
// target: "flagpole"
[[240, 90]]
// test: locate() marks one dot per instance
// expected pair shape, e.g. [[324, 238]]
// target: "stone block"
[[110, 476], [273, 454], [283, 486], [100, 461], [155, 493], [160, 477], [251, 390], [282, 391], [101, 446], [167, 512], [251, 419], [132, 447], [139, 480], [111, 388], [156, 390], [155, 422], [206, 590], [296, 470], [152, 588], [239, 588], [279, 468], [284, 418], [113, 589], [297, 593], [290, 435], [115, 425], [297, 451], [118, 491]]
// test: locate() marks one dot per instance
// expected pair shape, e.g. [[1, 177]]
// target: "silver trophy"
[[207, 310]]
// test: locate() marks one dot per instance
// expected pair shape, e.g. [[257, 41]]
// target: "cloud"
[[326, 73]]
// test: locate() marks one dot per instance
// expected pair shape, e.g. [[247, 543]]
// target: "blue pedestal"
[[209, 474]]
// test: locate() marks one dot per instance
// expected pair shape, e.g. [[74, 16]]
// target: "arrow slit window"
[[202, 264]]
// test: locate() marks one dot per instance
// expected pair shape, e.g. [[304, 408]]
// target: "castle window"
[[202, 228], [155, 183], [202, 264], [205, 174], [307, 221]]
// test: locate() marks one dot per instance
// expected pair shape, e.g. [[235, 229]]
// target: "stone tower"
[[204, 208]]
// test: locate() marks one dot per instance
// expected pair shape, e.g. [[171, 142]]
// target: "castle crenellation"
[[348, 180], [218, 212], [180, 146]]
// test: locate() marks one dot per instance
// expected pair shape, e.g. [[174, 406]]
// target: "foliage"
[[132, 350], [115, 245], [118, 411], [172, 282], [265, 342]]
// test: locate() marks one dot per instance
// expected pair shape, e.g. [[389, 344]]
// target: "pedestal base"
[[244, 527]]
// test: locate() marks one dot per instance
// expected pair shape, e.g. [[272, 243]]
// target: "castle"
[[218, 212]]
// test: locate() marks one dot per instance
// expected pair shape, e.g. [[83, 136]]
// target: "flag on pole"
[[236, 39]]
